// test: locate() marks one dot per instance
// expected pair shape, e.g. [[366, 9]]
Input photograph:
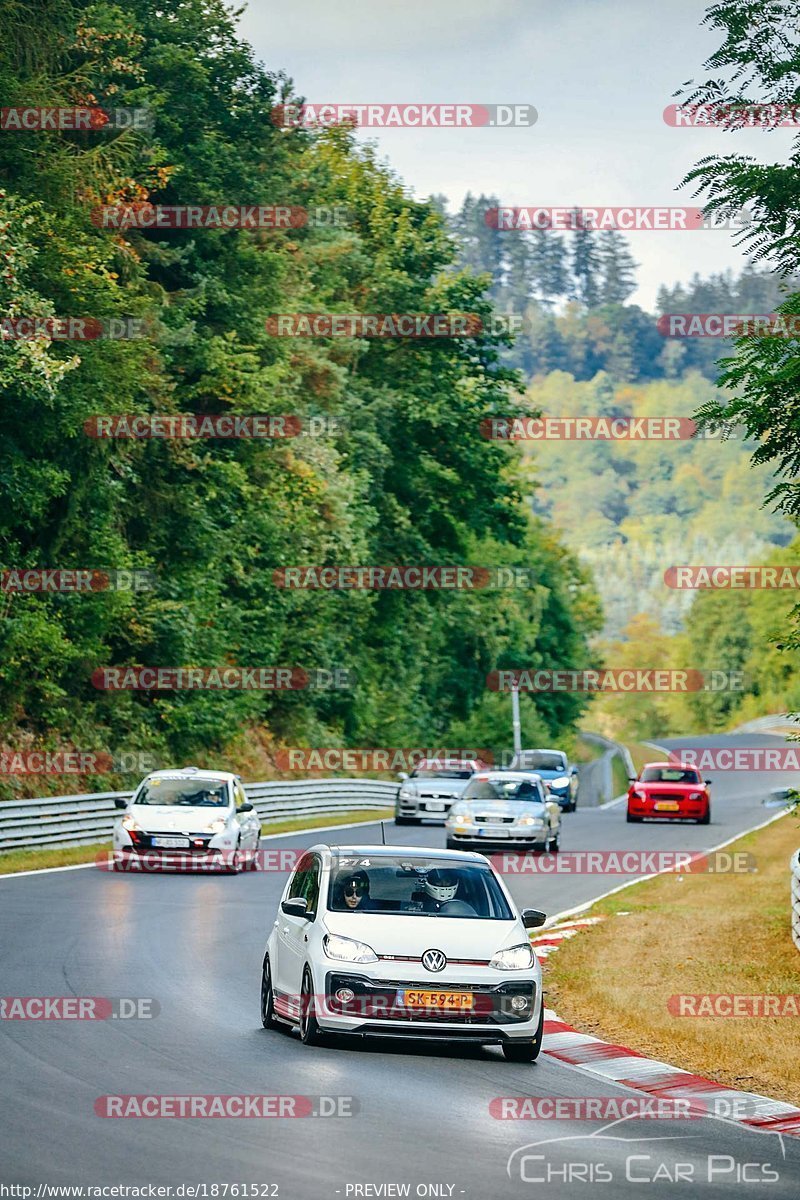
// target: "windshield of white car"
[[194, 793], [502, 789], [441, 773], [416, 887], [538, 760]]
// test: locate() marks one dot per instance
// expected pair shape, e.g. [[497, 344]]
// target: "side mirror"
[[573, 771], [245, 807], [633, 779], [402, 776], [296, 907], [708, 782], [532, 918], [120, 804]]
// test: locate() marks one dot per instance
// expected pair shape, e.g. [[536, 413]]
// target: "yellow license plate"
[[452, 1001], [667, 806]]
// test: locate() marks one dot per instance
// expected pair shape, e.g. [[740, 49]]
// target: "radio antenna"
[[383, 834]]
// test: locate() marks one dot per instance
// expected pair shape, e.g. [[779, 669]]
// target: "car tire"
[[631, 819], [310, 1032], [525, 1052], [235, 865], [254, 859], [407, 820], [268, 1019], [706, 818], [554, 847], [451, 844]]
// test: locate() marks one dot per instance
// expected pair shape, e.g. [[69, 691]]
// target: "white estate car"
[[402, 941], [186, 818], [508, 808]]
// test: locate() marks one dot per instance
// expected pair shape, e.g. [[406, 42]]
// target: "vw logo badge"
[[434, 960]]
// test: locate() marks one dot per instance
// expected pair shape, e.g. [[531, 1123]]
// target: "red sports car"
[[670, 789]]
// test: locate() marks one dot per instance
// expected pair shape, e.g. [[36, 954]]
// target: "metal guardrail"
[[86, 819], [794, 863]]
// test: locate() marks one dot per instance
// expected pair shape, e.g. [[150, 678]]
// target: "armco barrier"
[[795, 868], [83, 820]]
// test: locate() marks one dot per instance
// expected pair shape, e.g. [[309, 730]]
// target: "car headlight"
[[406, 793], [348, 949], [517, 958], [131, 825], [560, 782], [216, 826], [531, 821], [640, 795], [695, 795]]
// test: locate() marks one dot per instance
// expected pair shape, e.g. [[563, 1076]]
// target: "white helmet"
[[441, 885]]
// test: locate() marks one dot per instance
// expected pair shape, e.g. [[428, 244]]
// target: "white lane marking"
[[267, 837]]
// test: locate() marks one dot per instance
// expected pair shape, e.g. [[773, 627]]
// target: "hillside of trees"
[[400, 473], [630, 509], [573, 291]]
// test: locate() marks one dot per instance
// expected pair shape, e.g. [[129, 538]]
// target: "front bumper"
[[377, 1009], [204, 849], [687, 810], [424, 808], [477, 835]]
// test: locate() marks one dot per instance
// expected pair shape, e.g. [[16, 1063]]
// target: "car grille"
[[144, 841], [377, 999], [494, 820], [436, 795], [668, 796]]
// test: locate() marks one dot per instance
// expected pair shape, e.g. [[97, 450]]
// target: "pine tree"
[[618, 269]]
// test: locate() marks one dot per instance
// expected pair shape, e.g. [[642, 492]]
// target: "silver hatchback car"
[[430, 789], [508, 808]]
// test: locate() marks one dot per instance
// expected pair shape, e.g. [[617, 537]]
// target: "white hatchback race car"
[[403, 942], [187, 819]]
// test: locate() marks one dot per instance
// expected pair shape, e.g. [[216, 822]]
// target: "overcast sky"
[[599, 72]]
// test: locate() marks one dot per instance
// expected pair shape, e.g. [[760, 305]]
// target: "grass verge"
[[67, 856], [715, 934]]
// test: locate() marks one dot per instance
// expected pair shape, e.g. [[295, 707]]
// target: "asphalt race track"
[[195, 942]]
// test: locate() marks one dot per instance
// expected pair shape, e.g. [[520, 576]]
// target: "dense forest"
[[390, 466]]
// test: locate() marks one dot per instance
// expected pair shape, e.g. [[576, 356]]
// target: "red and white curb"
[[617, 1064]]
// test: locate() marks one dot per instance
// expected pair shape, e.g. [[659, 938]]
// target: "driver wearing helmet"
[[441, 887]]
